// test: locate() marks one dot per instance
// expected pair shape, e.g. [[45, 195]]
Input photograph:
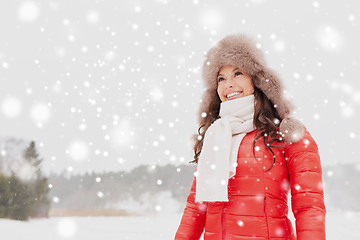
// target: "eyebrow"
[[232, 71]]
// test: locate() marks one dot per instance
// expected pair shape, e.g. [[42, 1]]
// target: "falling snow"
[[28, 11], [11, 107], [152, 227], [109, 87]]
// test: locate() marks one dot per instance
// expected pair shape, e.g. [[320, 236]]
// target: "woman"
[[249, 154]]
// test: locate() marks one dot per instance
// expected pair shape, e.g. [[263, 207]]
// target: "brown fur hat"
[[241, 51]]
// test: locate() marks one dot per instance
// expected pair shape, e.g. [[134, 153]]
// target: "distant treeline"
[[144, 187], [23, 188], [341, 186]]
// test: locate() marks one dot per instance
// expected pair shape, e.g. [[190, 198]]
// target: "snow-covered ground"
[[340, 225]]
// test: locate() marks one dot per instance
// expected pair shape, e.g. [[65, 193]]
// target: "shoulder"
[[305, 144], [291, 130]]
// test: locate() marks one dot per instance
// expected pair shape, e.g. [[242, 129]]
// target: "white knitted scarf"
[[218, 158]]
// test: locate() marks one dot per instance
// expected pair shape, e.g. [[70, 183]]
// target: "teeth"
[[232, 94]]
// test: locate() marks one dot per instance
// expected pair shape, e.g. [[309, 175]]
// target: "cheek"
[[219, 90], [250, 85], [248, 88]]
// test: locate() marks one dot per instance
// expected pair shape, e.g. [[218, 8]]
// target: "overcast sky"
[[108, 85]]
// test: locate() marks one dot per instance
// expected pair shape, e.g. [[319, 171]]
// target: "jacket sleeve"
[[193, 220], [307, 196]]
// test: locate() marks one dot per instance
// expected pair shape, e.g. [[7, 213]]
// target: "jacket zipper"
[[223, 222], [266, 218]]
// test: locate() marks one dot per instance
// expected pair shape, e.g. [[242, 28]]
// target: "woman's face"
[[233, 83]]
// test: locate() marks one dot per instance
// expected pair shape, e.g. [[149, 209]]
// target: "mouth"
[[233, 95]]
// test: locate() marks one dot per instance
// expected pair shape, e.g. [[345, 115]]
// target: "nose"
[[229, 83]]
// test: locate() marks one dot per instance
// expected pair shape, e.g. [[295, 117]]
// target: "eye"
[[238, 73], [220, 79]]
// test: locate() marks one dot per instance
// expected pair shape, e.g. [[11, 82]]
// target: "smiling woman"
[[233, 83], [250, 153]]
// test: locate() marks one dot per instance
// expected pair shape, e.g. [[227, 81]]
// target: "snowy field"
[[340, 225]]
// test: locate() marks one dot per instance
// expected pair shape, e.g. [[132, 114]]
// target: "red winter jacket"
[[257, 206]]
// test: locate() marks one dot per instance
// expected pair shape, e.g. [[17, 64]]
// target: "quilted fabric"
[[257, 206]]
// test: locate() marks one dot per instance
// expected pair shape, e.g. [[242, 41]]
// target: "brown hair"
[[266, 120]]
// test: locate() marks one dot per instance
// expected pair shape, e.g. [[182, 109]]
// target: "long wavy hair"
[[266, 120]]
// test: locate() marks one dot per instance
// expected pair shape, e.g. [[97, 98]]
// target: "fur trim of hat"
[[241, 51]]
